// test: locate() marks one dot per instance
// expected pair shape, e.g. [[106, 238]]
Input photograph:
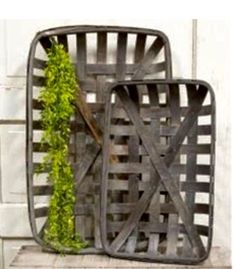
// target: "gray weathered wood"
[[154, 207], [62, 39], [191, 170]]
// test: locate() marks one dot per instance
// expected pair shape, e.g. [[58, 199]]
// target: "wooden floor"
[[30, 257]]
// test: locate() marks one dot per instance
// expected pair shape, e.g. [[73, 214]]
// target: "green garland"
[[57, 97]]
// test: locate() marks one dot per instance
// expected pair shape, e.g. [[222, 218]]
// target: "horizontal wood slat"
[[42, 190], [145, 110], [137, 168], [147, 228], [38, 81], [199, 149], [124, 208], [122, 185], [41, 212], [127, 130], [39, 64]]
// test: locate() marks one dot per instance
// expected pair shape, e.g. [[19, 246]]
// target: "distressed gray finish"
[[145, 45], [148, 228]]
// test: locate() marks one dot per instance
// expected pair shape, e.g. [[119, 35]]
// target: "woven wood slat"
[[109, 68], [124, 208], [173, 230], [62, 39], [163, 112], [38, 63], [100, 85], [191, 170], [203, 149], [80, 136], [45, 42], [80, 149], [121, 56], [133, 157], [144, 108], [154, 207], [148, 228], [184, 186], [123, 149], [140, 47]]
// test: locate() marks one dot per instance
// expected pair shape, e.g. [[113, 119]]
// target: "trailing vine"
[[57, 97]]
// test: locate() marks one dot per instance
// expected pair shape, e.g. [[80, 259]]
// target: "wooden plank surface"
[[33, 257]]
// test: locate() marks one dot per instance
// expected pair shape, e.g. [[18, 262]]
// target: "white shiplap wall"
[[213, 61], [197, 50]]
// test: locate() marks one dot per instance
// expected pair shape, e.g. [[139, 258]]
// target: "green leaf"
[[57, 98]]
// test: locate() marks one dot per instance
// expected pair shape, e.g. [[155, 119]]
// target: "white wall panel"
[[213, 66], [15, 222], [12, 103], [2, 51], [12, 141], [19, 34]]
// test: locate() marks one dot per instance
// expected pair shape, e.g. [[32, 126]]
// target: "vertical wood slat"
[[121, 56], [62, 39], [101, 58], [165, 140], [101, 47], [173, 227], [133, 143], [140, 47], [100, 82], [154, 207], [133, 157], [97, 181], [81, 135], [80, 148], [81, 56], [45, 42], [191, 168], [120, 75]]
